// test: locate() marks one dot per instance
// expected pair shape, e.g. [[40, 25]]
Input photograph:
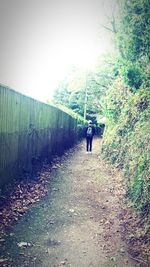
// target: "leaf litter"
[[133, 229]]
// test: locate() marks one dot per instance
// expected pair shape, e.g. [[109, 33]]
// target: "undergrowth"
[[126, 139]]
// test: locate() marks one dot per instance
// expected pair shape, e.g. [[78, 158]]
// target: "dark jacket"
[[93, 131]]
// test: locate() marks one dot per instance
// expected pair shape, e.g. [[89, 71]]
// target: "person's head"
[[89, 122]]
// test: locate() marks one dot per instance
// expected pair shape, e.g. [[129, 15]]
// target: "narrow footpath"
[[76, 223]]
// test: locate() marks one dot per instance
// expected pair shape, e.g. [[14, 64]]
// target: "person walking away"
[[90, 131]]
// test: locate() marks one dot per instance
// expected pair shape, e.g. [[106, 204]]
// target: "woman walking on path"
[[89, 132]]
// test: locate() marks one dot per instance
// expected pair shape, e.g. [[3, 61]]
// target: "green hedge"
[[127, 139]]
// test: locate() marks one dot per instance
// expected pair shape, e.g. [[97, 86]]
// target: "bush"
[[126, 140]]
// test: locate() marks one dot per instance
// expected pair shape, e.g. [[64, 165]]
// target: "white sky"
[[41, 39]]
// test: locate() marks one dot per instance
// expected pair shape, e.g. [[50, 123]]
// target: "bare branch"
[[107, 28], [102, 85], [113, 23]]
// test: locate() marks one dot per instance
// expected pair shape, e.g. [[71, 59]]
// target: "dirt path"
[[77, 223]]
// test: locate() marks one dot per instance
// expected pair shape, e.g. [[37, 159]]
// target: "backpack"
[[89, 132]]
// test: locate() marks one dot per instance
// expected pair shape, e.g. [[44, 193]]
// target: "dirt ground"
[[76, 223]]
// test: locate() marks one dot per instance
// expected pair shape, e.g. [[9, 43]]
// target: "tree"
[[127, 103], [111, 18], [134, 30], [133, 42], [71, 92]]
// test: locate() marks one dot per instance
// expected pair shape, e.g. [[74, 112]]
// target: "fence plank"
[[30, 131]]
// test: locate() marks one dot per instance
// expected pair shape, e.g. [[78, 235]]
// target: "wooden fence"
[[30, 131]]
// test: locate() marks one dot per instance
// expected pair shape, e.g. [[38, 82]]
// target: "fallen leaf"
[[113, 259], [71, 210], [24, 244], [3, 260], [122, 250]]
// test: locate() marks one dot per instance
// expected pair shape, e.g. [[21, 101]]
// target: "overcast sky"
[[41, 39]]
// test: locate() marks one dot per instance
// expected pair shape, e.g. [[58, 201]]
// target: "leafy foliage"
[[132, 75], [69, 111], [127, 104], [71, 92], [133, 40], [133, 36]]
